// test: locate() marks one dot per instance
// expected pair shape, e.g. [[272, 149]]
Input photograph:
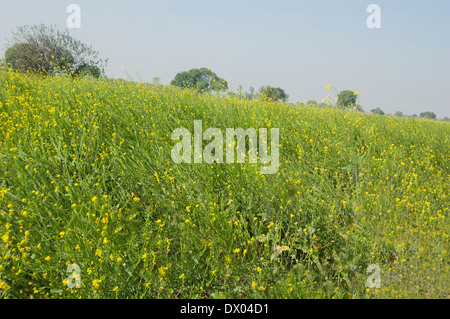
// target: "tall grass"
[[86, 178]]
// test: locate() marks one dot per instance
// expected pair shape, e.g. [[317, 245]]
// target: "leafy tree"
[[86, 69], [446, 119], [312, 103], [272, 94], [202, 80], [24, 56], [359, 108], [399, 113], [156, 80], [46, 50], [347, 98], [377, 111], [428, 115], [250, 96]]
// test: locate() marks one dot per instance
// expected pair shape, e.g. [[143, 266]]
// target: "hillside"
[[87, 178]]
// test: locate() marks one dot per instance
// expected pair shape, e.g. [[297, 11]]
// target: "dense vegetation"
[[46, 50], [86, 178]]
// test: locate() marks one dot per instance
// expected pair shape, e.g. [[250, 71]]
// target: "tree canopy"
[[272, 94], [377, 111], [47, 50], [202, 80], [428, 115], [347, 98]]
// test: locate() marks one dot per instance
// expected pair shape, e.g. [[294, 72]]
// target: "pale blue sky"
[[301, 46]]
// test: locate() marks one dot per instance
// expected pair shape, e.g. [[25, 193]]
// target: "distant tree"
[[272, 94], [156, 80], [399, 113], [377, 111], [202, 80], [86, 69], [312, 103], [428, 115], [446, 119], [414, 115], [251, 90], [250, 96], [46, 50], [359, 108], [347, 98]]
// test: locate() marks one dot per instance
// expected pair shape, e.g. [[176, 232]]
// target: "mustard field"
[[93, 206]]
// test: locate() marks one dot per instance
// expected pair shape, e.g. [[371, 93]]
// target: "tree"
[[156, 80], [250, 96], [446, 119], [46, 50], [202, 80], [359, 108], [272, 94], [312, 103], [24, 56], [347, 98], [399, 113], [428, 115], [86, 69], [377, 111]]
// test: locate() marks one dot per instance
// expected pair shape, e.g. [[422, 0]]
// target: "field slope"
[[87, 178]]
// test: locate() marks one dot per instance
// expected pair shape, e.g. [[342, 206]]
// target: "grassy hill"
[[87, 178]]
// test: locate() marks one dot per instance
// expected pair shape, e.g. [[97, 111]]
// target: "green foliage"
[[241, 94], [272, 94], [399, 114], [89, 70], [86, 178], [347, 99], [156, 80], [428, 115], [312, 103], [47, 50], [377, 111], [202, 80]]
